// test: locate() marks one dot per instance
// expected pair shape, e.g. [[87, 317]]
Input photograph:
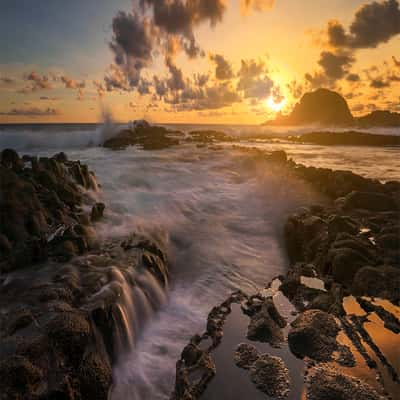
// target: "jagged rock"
[[270, 375], [245, 355], [266, 325], [148, 137], [326, 383], [97, 211], [35, 203], [370, 201], [20, 378], [383, 281], [313, 334]]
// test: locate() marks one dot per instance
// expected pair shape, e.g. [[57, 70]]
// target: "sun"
[[273, 105]]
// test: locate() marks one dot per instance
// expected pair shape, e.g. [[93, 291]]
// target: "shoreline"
[[150, 257]]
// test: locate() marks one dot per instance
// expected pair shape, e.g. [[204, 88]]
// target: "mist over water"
[[219, 214]]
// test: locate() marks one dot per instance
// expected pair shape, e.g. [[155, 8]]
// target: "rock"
[[245, 355], [383, 282], [370, 201], [19, 378], [191, 354], [148, 137], [322, 106], [95, 376], [326, 383], [313, 334], [66, 250], [266, 325], [342, 223], [97, 212], [382, 118], [270, 375], [345, 264], [278, 156], [10, 159], [349, 138], [70, 332]]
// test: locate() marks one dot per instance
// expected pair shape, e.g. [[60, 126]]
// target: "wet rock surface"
[[42, 214], [62, 308], [336, 308], [143, 135]]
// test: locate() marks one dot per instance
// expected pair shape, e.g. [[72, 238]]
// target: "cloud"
[[179, 18], [31, 112], [223, 69], [254, 81], [379, 83], [257, 5], [39, 82], [72, 83], [132, 45], [352, 77], [5, 80], [335, 65], [396, 62], [373, 24], [49, 98], [176, 81]]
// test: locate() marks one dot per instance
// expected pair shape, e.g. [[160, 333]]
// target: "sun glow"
[[273, 105]]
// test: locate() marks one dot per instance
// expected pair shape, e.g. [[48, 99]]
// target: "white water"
[[220, 214]]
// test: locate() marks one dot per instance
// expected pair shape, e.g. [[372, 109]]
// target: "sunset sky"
[[197, 61]]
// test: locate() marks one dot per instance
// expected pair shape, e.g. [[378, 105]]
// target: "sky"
[[193, 61]]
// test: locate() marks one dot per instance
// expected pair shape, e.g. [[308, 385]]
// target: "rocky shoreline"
[[64, 292], [344, 273]]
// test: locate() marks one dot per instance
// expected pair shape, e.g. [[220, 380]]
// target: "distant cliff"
[[379, 118], [325, 107]]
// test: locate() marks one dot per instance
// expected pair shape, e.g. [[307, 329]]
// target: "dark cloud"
[[254, 81], [295, 88], [31, 112], [160, 86], [201, 79], [212, 97], [178, 17], [379, 83], [49, 98], [223, 69], [335, 65], [374, 23], [176, 81], [5, 80], [353, 77], [132, 44], [115, 79], [317, 80]]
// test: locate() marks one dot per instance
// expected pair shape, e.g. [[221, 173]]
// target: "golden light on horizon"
[[275, 106]]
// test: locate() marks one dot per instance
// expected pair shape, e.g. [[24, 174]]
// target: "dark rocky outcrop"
[[322, 106], [328, 108], [379, 118], [144, 135], [60, 286], [41, 214], [349, 138], [59, 324]]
